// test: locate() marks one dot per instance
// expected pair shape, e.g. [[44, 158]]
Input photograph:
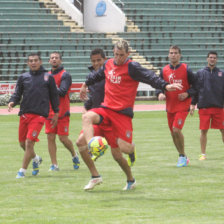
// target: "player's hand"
[[161, 97], [174, 86], [83, 92], [183, 96], [54, 120], [192, 109], [10, 106]]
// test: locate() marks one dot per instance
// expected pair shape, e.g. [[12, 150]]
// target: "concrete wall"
[[70, 10], [103, 16]]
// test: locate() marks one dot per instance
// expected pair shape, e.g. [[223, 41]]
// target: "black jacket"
[[36, 89], [96, 92], [210, 88]]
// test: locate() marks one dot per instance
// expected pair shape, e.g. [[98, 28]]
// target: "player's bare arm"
[[161, 97], [54, 120], [174, 86], [83, 92], [192, 109], [10, 106], [183, 96]]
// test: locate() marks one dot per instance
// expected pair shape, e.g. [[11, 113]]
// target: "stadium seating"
[[195, 25], [30, 26], [152, 26]]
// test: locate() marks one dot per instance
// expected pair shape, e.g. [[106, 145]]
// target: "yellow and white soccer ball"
[[97, 145]]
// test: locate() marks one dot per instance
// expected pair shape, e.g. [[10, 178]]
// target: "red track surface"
[[78, 109]]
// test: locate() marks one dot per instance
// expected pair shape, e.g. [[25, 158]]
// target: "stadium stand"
[[34, 26], [195, 25], [151, 27]]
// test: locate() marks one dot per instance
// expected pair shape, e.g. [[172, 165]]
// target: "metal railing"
[[79, 4]]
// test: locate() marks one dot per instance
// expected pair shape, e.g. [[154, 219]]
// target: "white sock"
[[22, 170]]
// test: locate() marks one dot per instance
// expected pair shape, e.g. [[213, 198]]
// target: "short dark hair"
[[34, 54], [56, 52], [97, 51], [176, 48], [212, 52]]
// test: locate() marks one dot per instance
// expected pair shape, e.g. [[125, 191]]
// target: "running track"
[[78, 109]]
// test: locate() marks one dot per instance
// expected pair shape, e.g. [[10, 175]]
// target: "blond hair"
[[122, 45]]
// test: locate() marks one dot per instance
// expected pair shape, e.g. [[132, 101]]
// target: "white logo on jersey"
[[172, 79], [113, 78], [46, 77]]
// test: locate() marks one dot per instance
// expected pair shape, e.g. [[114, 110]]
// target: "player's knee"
[[83, 148], [125, 147], [64, 139], [91, 118], [86, 118], [51, 137], [117, 154], [81, 141], [22, 145], [204, 132], [176, 131], [222, 132], [29, 144]]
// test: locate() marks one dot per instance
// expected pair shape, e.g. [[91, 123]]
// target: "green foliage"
[[164, 193]]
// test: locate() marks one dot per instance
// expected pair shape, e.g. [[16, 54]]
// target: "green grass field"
[[165, 194]]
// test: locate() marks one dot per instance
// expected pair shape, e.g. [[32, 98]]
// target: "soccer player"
[[96, 91], [122, 77], [36, 88], [63, 82], [177, 102], [95, 98], [209, 99]]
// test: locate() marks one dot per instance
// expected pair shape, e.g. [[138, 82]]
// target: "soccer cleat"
[[182, 161], [130, 185], [20, 175], [202, 157], [132, 158], [36, 167], [93, 182], [54, 168], [76, 162]]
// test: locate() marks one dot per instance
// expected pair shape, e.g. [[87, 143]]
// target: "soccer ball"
[[97, 145]]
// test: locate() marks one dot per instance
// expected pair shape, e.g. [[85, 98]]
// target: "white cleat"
[[93, 182]]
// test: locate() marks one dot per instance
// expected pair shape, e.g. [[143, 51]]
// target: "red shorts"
[[30, 126], [211, 118], [100, 130], [62, 127], [121, 125], [105, 131], [176, 120]]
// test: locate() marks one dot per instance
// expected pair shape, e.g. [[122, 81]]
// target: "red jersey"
[[64, 101], [120, 88], [179, 75]]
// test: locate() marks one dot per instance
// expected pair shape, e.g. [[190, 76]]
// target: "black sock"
[[181, 155], [95, 176]]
